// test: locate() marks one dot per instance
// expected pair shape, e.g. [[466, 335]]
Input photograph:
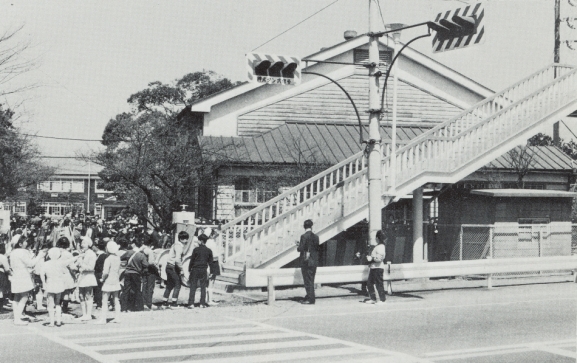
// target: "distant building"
[[74, 188]]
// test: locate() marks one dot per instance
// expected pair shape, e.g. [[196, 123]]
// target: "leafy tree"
[[569, 148], [152, 158], [171, 98], [540, 140], [20, 165]]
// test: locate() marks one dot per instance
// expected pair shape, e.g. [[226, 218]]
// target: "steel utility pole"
[[374, 142], [556, 59]]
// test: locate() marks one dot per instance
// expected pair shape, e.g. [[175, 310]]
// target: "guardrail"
[[406, 271]]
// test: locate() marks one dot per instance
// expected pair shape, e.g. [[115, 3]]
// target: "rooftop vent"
[[350, 34]]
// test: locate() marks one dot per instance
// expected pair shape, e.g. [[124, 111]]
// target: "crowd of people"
[[100, 265]]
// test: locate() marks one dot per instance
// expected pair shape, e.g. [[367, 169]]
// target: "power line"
[[569, 129], [382, 18], [61, 138], [58, 157], [294, 26]]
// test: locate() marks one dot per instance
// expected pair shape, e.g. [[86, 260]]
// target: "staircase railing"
[[341, 189], [431, 152], [235, 232]]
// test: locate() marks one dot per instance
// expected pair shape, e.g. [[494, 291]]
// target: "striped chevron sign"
[[459, 28], [273, 69]]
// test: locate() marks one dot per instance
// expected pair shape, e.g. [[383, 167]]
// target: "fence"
[[510, 240], [456, 242]]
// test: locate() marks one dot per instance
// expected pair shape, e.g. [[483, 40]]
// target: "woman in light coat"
[[22, 263], [110, 282], [54, 274], [86, 278]]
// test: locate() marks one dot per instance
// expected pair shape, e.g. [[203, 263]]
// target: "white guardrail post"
[[270, 289], [389, 283]]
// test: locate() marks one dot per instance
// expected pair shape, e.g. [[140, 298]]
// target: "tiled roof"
[[541, 158], [325, 143], [330, 143], [72, 167]]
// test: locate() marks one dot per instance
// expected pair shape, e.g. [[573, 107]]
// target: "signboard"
[[273, 69]]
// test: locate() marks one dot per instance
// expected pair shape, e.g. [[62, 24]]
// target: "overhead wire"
[[569, 129], [61, 138], [294, 26]]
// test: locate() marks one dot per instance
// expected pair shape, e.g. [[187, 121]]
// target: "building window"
[[97, 209], [434, 209], [64, 185], [60, 209], [14, 207], [20, 208], [534, 221], [99, 187]]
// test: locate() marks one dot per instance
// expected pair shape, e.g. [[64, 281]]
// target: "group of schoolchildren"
[[63, 270], [63, 277]]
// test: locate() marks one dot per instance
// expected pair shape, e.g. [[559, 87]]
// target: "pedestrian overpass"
[[337, 198]]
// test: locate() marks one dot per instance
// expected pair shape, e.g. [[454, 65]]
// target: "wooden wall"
[[329, 104]]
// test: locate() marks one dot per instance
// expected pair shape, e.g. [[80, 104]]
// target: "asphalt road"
[[533, 322]]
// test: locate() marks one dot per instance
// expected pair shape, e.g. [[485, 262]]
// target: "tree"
[[153, 158], [520, 159], [540, 140], [21, 167], [569, 148], [14, 62]]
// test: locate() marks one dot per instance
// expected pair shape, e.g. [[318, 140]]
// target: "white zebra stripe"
[[164, 335], [253, 335], [264, 358], [217, 349]]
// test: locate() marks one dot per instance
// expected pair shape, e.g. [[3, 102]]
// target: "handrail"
[[293, 190], [483, 102], [307, 202], [488, 118]]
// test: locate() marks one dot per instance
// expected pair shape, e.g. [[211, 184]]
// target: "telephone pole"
[[556, 59], [374, 142]]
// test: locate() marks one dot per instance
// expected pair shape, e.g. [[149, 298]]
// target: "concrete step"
[[228, 277], [232, 268]]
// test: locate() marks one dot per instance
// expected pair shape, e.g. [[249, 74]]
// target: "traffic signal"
[[458, 28], [273, 69]]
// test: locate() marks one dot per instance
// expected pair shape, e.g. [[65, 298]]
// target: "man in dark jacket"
[[131, 295], [308, 246], [199, 261]]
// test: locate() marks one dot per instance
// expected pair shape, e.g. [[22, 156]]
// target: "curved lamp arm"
[[350, 99]]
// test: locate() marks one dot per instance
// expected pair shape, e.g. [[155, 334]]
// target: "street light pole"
[[393, 172], [374, 142]]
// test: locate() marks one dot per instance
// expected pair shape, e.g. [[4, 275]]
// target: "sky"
[[92, 55]]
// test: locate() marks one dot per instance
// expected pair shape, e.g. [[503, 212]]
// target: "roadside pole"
[[374, 142]]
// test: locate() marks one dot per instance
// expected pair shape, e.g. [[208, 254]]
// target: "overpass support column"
[[418, 225]]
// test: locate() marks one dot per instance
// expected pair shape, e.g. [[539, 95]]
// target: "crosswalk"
[[233, 341], [550, 351]]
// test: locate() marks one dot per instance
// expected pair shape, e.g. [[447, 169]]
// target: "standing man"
[[149, 274], [376, 270], [308, 246], [131, 295], [199, 261], [101, 231], [174, 270], [214, 267]]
